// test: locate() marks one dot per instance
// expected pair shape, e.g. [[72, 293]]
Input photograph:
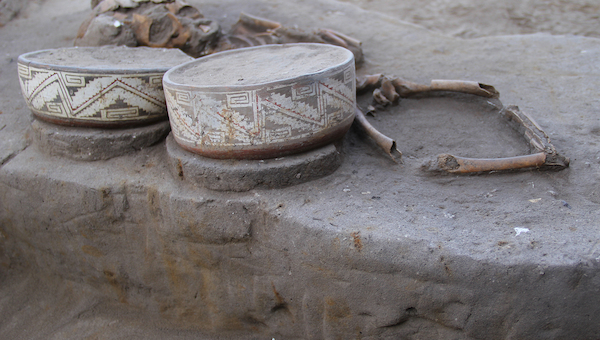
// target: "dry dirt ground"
[[458, 18], [24, 298], [473, 18]]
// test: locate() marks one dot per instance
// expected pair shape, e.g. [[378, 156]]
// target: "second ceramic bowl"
[[262, 102]]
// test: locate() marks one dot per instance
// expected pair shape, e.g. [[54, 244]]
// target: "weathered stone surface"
[[92, 144], [244, 175], [374, 250]]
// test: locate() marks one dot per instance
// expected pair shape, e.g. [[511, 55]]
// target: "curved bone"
[[384, 142]]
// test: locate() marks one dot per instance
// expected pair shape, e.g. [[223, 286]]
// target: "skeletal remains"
[[388, 90], [176, 24]]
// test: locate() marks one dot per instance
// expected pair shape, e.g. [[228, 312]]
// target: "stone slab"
[[244, 175], [92, 144]]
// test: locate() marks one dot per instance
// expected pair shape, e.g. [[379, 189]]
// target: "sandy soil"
[[459, 18], [476, 18]]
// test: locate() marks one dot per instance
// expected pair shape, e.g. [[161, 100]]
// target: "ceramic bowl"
[[262, 102], [97, 86]]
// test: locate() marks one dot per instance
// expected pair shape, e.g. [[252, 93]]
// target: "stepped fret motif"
[[92, 97], [262, 116]]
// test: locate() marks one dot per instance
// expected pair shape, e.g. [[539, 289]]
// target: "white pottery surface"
[[97, 86], [262, 102]]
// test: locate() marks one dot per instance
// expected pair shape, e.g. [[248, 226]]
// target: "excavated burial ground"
[[120, 249]]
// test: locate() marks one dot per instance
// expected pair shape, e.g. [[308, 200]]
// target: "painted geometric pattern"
[[264, 116], [92, 97]]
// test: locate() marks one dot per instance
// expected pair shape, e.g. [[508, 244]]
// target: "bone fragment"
[[331, 37], [388, 90], [463, 86], [455, 164], [368, 82], [380, 98], [261, 23], [384, 142], [406, 88], [371, 110], [536, 137]]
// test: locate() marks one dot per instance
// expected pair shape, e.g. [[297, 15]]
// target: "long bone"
[[393, 88], [384, 142]]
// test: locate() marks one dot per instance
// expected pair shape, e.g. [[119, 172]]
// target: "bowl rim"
[[24, 59], [228, 88]]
